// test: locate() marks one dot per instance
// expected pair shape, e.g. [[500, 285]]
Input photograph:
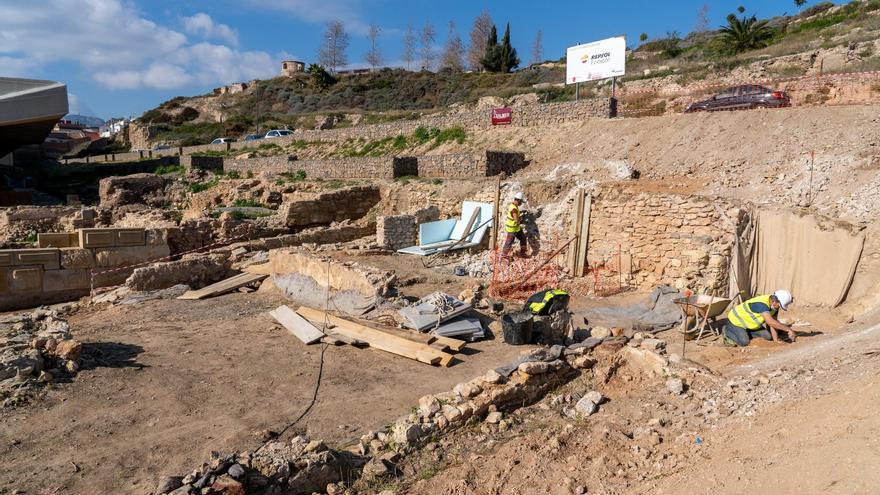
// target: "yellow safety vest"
[[743, 316], [511, 224], [540, 300]]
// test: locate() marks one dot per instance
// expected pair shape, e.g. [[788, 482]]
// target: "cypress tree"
[[507, 56], [492, 58]]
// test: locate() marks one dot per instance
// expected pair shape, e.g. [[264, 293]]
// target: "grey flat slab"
[[297, 325]]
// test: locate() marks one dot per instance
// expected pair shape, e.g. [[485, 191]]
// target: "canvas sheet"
[[814, 258]]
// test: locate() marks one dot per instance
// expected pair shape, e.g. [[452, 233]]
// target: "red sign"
[[501, 116]]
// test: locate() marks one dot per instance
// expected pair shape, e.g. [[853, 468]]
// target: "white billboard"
[[598, 60]]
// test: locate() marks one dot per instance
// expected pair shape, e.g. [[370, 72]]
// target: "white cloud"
[[203, 25], [119, 48]]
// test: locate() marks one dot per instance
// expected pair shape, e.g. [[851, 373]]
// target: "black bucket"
[[517, 328]]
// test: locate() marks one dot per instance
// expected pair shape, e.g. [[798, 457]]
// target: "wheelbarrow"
[[703, 308]]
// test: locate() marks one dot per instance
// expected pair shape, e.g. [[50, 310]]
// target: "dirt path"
[[182, 378]]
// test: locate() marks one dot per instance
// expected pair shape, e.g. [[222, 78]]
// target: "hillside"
[[822, 39]]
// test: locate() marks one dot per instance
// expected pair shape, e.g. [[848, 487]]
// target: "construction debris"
[[381, 340], [442, 314], [297, 325]]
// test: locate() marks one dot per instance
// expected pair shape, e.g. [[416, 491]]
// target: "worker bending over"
[[749, 319], [513, 227]]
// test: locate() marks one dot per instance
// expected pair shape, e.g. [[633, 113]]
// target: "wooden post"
[[584, 234], [493, 238], [576, 219]]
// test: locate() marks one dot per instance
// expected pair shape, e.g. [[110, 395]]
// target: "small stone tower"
[[292, 67]]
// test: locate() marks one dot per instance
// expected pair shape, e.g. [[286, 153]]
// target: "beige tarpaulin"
[[812, 257]]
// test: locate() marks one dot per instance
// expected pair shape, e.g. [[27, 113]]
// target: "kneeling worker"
[[513, 227], [748, 320]]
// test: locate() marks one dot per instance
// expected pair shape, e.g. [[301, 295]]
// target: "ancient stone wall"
[[652, 238], [397, 231], [98, 258], [350, 203]]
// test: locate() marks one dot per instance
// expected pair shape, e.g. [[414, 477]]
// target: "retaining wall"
[[684, 241], [449, 166], [523, 116]]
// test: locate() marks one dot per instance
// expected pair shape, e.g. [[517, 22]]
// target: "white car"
[[274, 133], [222, 140]]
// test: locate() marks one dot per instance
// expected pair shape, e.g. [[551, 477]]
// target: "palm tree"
[[745, 33]]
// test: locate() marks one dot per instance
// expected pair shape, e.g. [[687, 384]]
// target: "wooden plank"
[[584, 236], [297, 325], [445, 344], [381, 340], [577, 215], [223, 286]]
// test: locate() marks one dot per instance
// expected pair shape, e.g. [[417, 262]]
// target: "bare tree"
[[453, 51], [479, 37], [702, 24], [332, 52], [409, 46], [427, 36], [538, 48], [373, 56]]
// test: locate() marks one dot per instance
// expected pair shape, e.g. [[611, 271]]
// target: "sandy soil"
[[810, 430], [179, 379]]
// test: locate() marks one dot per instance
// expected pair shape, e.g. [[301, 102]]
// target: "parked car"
[[253, 137], [162, 147], [223, 140], [274, 133], [742, 98]]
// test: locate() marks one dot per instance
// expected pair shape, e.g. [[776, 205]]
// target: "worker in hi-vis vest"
[[757, 318], [513, 227]]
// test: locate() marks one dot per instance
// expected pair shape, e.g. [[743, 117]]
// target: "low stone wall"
[[449, 166], [213, 163], [101, 257], [684, 241]]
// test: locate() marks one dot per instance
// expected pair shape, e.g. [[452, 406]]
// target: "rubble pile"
[[35, 349]]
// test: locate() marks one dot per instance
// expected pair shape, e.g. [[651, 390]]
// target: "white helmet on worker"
[[784, 298], [520, 196]]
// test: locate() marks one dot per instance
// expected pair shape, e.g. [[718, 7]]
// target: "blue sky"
[[122, 57]]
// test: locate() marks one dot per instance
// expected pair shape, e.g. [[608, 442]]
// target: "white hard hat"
[[519, 196], [784, 298]]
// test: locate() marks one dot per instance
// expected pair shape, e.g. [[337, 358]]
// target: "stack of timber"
[[429, 349]]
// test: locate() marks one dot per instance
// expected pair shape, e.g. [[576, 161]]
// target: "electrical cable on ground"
[[324, 347]]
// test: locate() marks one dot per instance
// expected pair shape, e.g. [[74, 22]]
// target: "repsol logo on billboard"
[[600, 58]]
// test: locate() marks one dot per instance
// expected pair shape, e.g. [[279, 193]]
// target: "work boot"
[[729, 342]]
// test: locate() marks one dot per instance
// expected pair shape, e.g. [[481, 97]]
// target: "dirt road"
[[179, 379]]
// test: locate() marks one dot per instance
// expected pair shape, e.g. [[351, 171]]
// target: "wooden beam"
[[584, 235], [381, 340], [493, 239], [573, 250], [297, 325], [223, 286]]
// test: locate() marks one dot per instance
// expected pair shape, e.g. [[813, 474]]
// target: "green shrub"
[[248, 203], [298, 176], [233, 174], [198, 187]]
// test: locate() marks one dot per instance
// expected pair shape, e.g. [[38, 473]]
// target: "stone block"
[[96, 238], [69, 279], [26, 279], [123, 256], [77, 258], [48, 258], [57, 240], [130, 237]]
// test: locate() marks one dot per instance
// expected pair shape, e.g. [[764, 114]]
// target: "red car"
[[742, 98]]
